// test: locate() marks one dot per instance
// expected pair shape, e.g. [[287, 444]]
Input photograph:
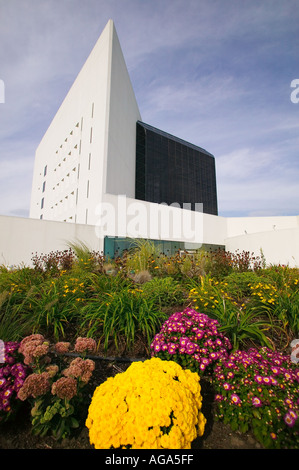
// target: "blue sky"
[[215, 73]]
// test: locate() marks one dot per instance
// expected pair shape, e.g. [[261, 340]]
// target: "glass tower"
[[171, 170]]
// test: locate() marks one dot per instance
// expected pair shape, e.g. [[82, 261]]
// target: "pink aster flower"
[[258, 379], [227, 386], [267, 380], [290, 418], [235, 399], [256, 402], [219, 397]]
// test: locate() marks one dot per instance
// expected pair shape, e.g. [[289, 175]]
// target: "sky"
[[217, 73]]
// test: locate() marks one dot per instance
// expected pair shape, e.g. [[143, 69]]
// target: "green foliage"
[[121, 313], [53, 415], [239, 323], [238, 285], [164, 291]]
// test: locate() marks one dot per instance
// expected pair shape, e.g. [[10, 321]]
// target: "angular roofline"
[[173, 137]]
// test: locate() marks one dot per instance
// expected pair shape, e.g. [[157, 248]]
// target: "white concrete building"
[[83, 185], [89, 148]]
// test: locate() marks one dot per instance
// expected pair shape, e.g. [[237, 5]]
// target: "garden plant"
[[226, 318]]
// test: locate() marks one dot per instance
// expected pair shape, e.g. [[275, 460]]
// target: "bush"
[[258, 390], [145, 407], [192, 340]]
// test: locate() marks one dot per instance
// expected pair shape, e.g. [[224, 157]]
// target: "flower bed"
[[258, 390]]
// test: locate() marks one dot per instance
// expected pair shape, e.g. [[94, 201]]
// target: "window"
[[45, 170], [44, 186], [90, 140], [87, 191], [42, 203]]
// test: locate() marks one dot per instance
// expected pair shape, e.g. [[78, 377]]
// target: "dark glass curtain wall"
[[171, 170]]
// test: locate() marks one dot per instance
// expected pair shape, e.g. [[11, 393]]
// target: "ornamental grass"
[[154, 404]]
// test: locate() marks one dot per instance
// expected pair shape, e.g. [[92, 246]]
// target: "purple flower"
[[267, 380]]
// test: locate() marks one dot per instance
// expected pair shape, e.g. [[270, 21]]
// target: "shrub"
[[145, 407], [54, 390], [258, 390], [192, 340], [12, 376]]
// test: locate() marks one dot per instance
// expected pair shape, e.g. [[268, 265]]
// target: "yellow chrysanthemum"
[[154, 404]]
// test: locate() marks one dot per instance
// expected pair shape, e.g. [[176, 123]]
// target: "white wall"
[[241, 225], [20, 237], [83, 113], [90, 145], [123, 113], [278, 246]]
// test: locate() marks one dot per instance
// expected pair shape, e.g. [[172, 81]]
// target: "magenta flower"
[[290, 418], [219, 397], [258, 379], [256, 402], [235, 399], [227, 386], [267, 380]]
